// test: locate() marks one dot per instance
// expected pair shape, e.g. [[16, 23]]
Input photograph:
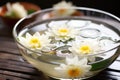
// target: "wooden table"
[[14, 67]]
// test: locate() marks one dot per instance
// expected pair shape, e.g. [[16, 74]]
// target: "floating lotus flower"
[[63, 32], [63, 9], [74, 68], [83, 48], [35, 41]]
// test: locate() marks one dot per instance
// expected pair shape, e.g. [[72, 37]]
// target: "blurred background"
[[111, 6]]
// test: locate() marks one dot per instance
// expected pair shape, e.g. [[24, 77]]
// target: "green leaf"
[[101, 65], [30, 11], [12, 15]]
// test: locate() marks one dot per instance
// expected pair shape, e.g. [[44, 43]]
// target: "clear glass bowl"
[[95, 35]]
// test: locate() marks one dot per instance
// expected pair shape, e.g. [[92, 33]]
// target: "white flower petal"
[[28, 36], [37, 34], [84, 61]]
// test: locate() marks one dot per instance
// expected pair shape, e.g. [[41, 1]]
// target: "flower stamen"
[[35, 43], [63, 31], [74, 71], [85, 49]]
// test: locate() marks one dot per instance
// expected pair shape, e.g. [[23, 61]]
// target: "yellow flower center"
[[85, 49], [74, 71], [63, 31], [35, 42], [62, 11]]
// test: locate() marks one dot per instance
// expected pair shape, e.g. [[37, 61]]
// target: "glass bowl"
[[75, 43]]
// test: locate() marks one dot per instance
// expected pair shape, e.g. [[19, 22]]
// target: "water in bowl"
[[90, 28]]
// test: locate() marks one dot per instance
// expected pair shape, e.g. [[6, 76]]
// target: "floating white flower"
[[74, 68], [63, 32], [35, 41], [83, 48], [16, 8], [63, 9]]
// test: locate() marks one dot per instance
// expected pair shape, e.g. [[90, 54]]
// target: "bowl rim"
[[44, 10]]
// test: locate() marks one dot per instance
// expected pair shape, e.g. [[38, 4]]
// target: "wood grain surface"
[[14, 67]]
